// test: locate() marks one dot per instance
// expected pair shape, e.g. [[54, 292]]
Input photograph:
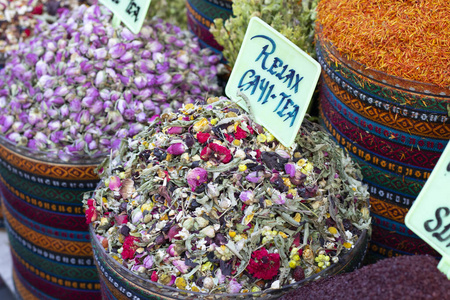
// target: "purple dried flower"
[[5, 123], [127, 57], [61, 91], [196, 177], [54, 125], [140, 82], [171, 250], [279, 199], [234, 286], [96, 107], [100, 78], [135, 129], [155, 46], [176, 149], [136, 216], [117, 50], [175, 130], [254, 178], [148, 261], [141, 117], [290, 169], [246, 196], [127, 35], [100, 53], [181, 266]]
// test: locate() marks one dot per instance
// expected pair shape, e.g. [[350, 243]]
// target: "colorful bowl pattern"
[[395, 129], [45, 222], [119, 283], [200, 16]]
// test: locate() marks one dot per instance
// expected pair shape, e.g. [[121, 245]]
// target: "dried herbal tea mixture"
[[294, 19], [207, 200], [79, 86]]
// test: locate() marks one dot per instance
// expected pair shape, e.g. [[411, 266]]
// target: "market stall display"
[[67, 97], [205, 202], [385, 98]]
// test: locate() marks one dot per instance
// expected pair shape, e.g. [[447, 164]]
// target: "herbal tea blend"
[[79, 86], [206, 200]]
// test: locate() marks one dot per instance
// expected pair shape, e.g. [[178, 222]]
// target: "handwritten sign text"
[[277, 78], [130, 12]]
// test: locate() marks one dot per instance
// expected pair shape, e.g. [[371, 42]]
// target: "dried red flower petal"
[[229, 137], [203, 137], [90, 212], [154, 276], [258, 153], [240, 133], [27, 32], [121, 219], [264, 265], [37, 10], [91, 215], [205, 153], [129, 248], [222, 153], [250, 129]]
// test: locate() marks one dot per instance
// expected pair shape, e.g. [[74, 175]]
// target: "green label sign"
[[274, 80], [429, 216], [130, 12]]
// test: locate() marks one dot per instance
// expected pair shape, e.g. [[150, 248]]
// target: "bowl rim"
[[51, 158], [362, 242], [359, 68]]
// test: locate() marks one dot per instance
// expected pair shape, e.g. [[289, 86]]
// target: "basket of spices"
[[205, 203], [67, 98], [385, 98]]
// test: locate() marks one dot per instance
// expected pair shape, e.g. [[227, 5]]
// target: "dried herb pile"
[[408, 39], [207, 200], [294, 19]]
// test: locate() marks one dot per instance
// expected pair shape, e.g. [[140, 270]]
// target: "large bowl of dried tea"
[[67, 97], [385, 98], [205, 203]]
